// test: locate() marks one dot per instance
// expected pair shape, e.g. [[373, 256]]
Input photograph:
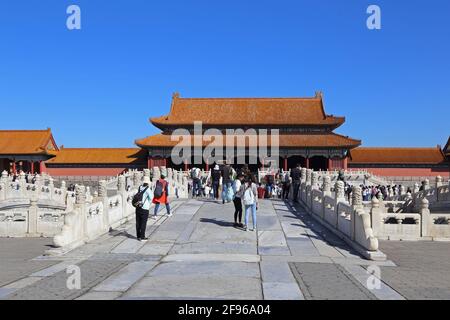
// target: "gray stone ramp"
[[198, 254]]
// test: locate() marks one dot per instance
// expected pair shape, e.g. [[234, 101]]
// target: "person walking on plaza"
[[215, 180], [238, 189], [227, 173], [196, 183], [250, 199], [161, 195], [286, 185], [295, 175], [142, 203]]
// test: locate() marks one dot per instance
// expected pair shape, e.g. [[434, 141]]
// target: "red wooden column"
[[345, 163], [307, 163], [150, 163], [31, 167], [186, 167], [330, 164], [285, 164], [14, 170], [42, 167]]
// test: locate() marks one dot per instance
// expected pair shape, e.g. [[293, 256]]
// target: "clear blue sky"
[[97, 87]]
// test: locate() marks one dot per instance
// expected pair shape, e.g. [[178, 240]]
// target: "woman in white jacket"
[[250, 199]]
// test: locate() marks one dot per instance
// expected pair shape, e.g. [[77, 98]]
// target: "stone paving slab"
[[128, 246], [207, 268], [320, 281], [17, 257], [125, 278], [98, 295], [22, 283], [384, 292], [274, 271], [268, 223], [302, 247], [271, 239], [282, 291], [212, 257], [185, 235], [199, 287], [55, 287], [293, 229], [47, 272], [219, 248], [160, 248], [274, 251]]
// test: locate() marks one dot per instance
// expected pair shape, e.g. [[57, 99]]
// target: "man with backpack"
[[295, 175], [286, 186], [161, 195], [141, 201], [196, 183]]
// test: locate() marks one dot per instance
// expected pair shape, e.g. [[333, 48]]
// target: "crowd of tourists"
[[225, 184]]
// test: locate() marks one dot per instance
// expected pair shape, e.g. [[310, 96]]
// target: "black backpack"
[[137, 199], [158, 189]]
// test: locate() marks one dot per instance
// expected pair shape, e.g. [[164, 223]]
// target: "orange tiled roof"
[[247, 111], [285, 140], [397, 155], [27, 142], [98, 156]]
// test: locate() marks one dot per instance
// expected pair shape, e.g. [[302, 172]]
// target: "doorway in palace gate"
[[293, 161], [318, 163]]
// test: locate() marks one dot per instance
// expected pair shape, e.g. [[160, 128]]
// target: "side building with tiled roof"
[[305, 131], [398, 162], [26, 150], [95, 161]]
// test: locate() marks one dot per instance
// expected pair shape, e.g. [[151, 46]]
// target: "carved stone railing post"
[[23, 184], [51, 187], [38, 184], [427, 221], [426, 184], [4, 177], [103, 197], [64, 192], [327, 186], [402, 190], [303, 175], [357, 204], [339, 190], [376, 214], [2, 190], [33, 216], [147, 173], [439, 182], [80, 205], [121, 184], [136, 179]]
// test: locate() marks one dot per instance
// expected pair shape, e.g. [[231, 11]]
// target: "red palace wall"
[[407, 172], [84, 171]]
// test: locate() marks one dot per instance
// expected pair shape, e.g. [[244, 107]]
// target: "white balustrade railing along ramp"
[[91, 218]]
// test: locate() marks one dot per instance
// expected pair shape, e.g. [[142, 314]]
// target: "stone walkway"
[[198, 254]]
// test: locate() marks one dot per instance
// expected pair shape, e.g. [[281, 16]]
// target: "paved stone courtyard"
[[198, 254]]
